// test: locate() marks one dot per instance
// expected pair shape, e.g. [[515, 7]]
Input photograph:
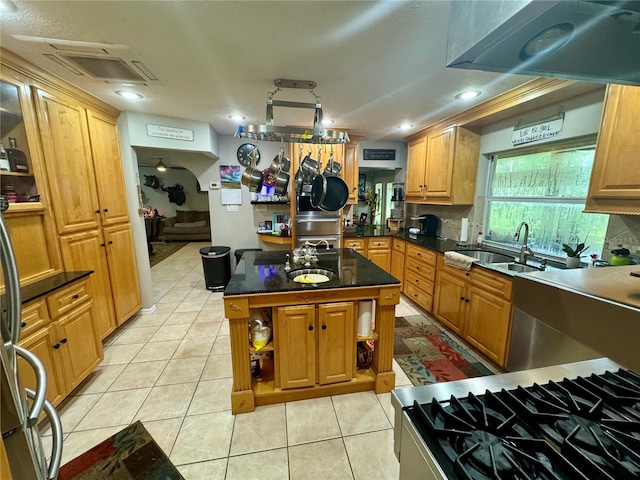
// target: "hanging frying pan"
[[336, 194], [318, 190]]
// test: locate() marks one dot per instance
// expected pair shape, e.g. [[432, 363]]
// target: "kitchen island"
[[313, 351]]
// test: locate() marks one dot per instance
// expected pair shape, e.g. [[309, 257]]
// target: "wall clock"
[[245, 152]]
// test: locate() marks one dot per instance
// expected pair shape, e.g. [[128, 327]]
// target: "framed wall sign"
[[388, 154]]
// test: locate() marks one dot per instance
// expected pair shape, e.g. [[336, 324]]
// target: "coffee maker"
[[428, 225]]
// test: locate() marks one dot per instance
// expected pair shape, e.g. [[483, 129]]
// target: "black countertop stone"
[[447, 245], [48, 285], [262, 272]]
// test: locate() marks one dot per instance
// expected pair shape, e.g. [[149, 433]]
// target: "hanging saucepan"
[[336, 196], [310, 168], [282, 182], [333, 168], [252, 177], [279, 164]]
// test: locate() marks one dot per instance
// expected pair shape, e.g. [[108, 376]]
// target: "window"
[[547, 189]]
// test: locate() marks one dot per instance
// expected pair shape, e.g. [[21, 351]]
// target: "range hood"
[[592, 41]]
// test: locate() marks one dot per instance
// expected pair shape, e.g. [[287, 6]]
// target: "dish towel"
[[459, 260]]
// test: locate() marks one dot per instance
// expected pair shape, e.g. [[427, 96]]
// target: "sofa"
[[187, 225]]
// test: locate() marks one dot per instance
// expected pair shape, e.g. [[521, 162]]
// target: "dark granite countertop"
[[446, 245], [262, 272], [48, 285]]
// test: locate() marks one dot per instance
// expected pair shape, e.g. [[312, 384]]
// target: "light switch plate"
[[232, 208], [214, 185]]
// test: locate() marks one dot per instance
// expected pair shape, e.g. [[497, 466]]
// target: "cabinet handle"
[[76, 296], [105, 210], [324, 327], [310, 328], [64, 340], [56, 346]]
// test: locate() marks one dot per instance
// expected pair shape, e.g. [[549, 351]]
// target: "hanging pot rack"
[[274, 133]]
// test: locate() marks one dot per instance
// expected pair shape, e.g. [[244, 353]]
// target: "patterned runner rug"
[[163, 250], [130, 454], [428, 355]]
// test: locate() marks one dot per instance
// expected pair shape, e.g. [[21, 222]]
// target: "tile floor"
[[172, 370]]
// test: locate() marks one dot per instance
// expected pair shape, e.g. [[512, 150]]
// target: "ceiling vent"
[[113, 64]]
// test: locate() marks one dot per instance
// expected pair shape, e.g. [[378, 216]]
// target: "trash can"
[[216, 264], [240, 251]]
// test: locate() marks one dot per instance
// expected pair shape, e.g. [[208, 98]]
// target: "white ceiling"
[[377, 64]]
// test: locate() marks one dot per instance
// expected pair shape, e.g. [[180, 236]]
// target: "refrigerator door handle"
[[10, 330], [40, 395], [56, 432]]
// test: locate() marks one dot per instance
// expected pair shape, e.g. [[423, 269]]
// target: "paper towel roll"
[[365, 309], [464, 230]]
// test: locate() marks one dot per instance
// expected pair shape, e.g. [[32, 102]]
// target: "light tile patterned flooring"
[[172, 370]]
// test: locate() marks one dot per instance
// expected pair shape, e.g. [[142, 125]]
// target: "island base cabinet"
[[336, 341], [295, 345]]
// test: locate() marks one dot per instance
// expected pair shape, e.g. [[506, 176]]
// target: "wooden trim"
[[275, 239], [524, 93]]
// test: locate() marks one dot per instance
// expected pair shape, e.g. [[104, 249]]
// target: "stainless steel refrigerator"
[[20, 407]]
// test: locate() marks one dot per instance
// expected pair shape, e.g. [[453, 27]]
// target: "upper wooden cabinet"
[[442, 167], [350, 168], [615, 178], [67, 150]]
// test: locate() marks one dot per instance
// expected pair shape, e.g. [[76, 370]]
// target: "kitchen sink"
[[487, 257], [519, 267], [311, 276]]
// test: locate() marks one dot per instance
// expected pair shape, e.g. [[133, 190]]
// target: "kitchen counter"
[[263, 272], [313, 350], [42, 287]]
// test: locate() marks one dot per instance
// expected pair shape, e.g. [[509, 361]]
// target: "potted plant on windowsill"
[[573, 254]]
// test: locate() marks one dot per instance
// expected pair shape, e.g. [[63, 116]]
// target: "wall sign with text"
[[379, 154], [538, 131], [173, 133]]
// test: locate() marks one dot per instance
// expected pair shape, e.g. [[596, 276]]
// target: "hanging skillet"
[[318, 185], [336, 196]]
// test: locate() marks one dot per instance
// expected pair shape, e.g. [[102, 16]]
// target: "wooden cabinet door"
[[67, 150], [488, 324], [87, 251], [45, 346], [615, 171], [107, 163], [81, 349], [122, 271], [439, 164], [336, 342], [450, 301], [397, 267], [416, 158], [296, 346], [381, 258], [350, 169]]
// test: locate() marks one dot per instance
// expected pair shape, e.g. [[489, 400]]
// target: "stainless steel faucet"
[[525, 251], [308, 243]]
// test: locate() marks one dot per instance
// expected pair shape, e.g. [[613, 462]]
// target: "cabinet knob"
[[105, 210], [466, 300], [110, 242], [23, 324], [56, 346], [64, 340], [310, 327], [102, 245], [461, 298], [467, 274], [324, 327], [76, 296], [97, 211]]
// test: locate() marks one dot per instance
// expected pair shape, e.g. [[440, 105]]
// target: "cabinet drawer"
[[421, 254], [420, 282], [458, 272], [355, 243], [492, 282], [418, 296], [421, 269], [399, 245], [34, 317], [379, 243], [66, 299]]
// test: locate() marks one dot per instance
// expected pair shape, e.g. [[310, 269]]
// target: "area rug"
[[162, 250], [130, 454], [428, 355]]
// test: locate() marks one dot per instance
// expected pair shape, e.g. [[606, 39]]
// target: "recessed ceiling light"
[[468, 94], [129, 95], [237, 118], [405, 126]]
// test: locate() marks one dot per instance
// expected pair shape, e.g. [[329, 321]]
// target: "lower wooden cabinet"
[[314, 346], [379, 252], [68, 344], [419, 275], [477, 306]]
